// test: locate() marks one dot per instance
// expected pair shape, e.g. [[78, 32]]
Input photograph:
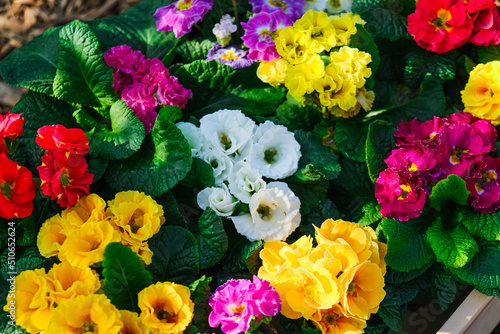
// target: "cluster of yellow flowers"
[[334, 81], [481, 95], [337, 284], [66, 301], [80, 234]]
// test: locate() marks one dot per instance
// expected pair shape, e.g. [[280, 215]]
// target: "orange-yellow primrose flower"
[[166, 308], [334, 321], [90, 208], [132, 324], [85, 314], [50, 237]]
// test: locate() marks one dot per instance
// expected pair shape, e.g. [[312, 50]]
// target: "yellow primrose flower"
[[136, 214], [141, 249], [294, 46], [85, 314], [132, 324], [273, 72], [166, 308], [365, 98], [345, 27], [334, 256], [300, 78], [327, 86], [90, 208], [481, 95], [363, 287], [320, 29], [70, 281], [32, 301], [50, 237], [85, 245], [334, 321], [354, 63]]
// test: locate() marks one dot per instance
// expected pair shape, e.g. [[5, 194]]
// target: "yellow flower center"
[[269, 155], [136, 221], [443, 16], [330, 319], [264, 212], [89, 326], [224, 140], [6, 189], [335, 3], [405, 190], [455, 158], [277, 3], [230, 55], [311, 291], [352, 288], [166, 317], [184, 4], [487, 177], [64, 179], [238, 309], [413, 167], [273, 34]]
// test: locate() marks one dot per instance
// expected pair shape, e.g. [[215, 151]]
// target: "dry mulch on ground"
[[21, 20]]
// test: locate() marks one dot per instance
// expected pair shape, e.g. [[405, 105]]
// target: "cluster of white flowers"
[[241, 154], [224, 29]]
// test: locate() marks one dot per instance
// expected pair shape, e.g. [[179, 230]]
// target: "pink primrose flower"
[[484, 185], [486, 29]]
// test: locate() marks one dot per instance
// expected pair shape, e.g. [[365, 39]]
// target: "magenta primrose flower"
[[484, 185], [292, 8], [412, 159], [260, 33], [180, 16], [235, 303]]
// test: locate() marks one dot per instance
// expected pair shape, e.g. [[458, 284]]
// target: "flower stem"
[[41, 218]]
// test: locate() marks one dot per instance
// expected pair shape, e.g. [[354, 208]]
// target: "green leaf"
[[212, 239], [27, 231], [97, 167], [351, 139], [371, 213], [39, 63], [82, 75], [254, 262], [171, 210], [85, 119], [316, 154], [396, 277], [157, 166], [421, 62], [200, 294], [482, 270], [325, 210], [123, 140], [195, 49], [310, 186], [488, 53], [136, 28], [176, 257], [486, 226], [364, 41], [453, 247], [39, 110], [240, 248], [173, 113], [201, 175], [354, 179], [379, 143], [407, 246], [400, 294], [386, 19], [268, 99], [124, 276], [450, 189], [298, 118], [444, 288], [392, 315]]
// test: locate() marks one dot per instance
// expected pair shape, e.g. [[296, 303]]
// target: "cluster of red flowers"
[[64, 171], [17, 188], [442, 25], [459, 144]]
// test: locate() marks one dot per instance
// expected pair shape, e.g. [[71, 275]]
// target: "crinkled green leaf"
[[486, 226], [488, 53], [450, 189], [97, 167], [27, 231], [201, 175], [171, 210], [351, 139], [444, 288], [212, 239], [392, 315], [39, 110], [387, 19], [265, 100], [396, 277], [482, 270], [39, 63], [420, 62], [407, 246], [379, 143], [200, 293], [173, 113], [400, 294], [298, 118], [354, 179], [454, 247], [82, 75], [240, 248], [158, 166], [364, 41], [136, 28], [123, 140], [371, 213], [85, 119], [195, 49], [316, 154], [176, 257], [124, 276]]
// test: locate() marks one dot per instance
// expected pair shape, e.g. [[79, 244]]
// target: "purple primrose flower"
[[180, 16]]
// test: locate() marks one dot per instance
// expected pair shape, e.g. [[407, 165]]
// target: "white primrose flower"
[[217, 198], [317, 5], [244, 181], [192, 135], [228, 131], [274, 214], [275, 153], [225, 28], [221, 164], [338, 6]]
